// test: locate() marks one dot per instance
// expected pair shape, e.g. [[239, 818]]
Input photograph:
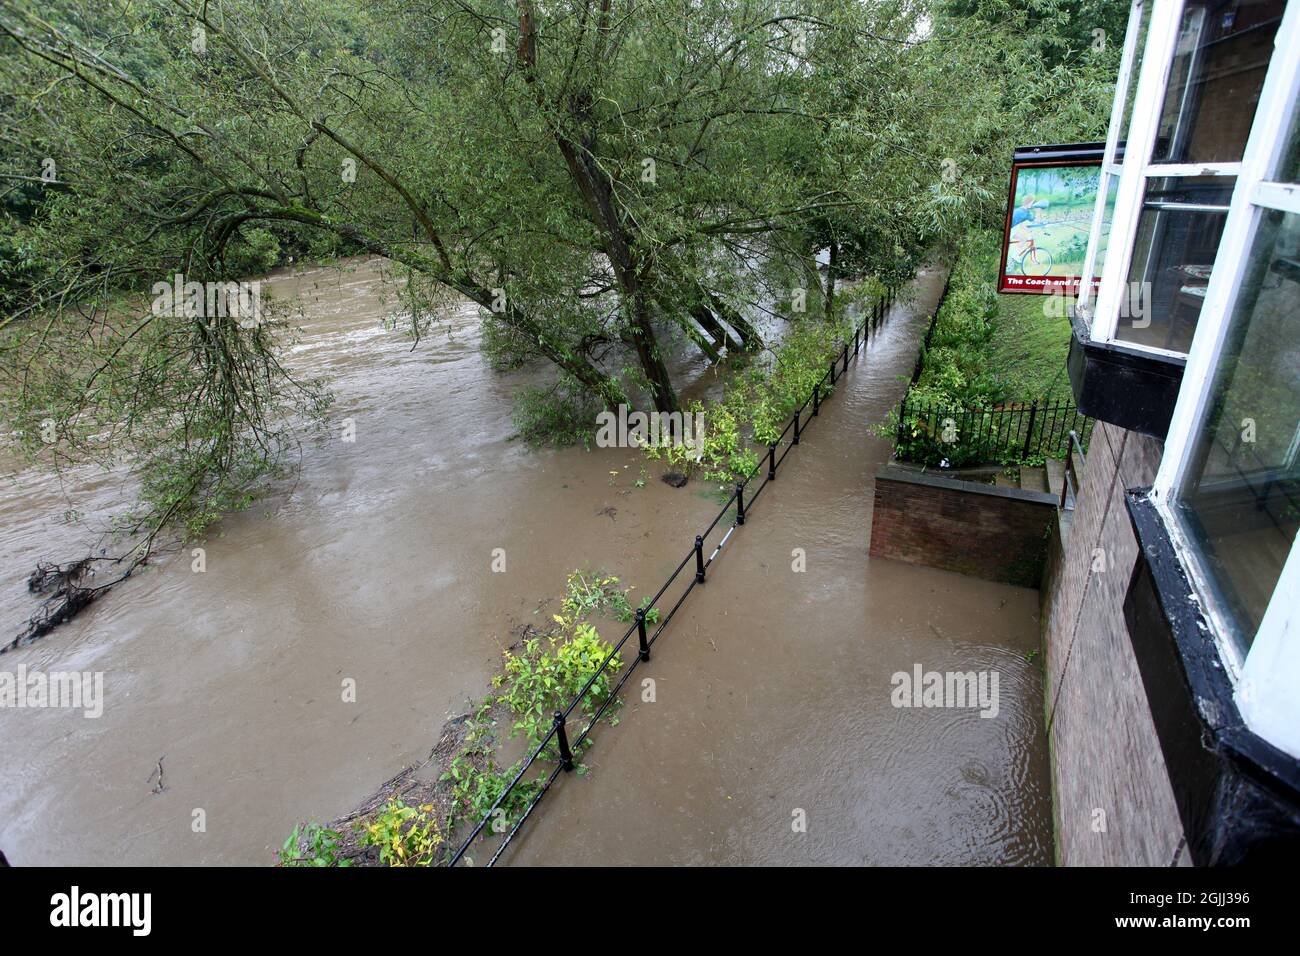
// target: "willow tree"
[[594, 174]]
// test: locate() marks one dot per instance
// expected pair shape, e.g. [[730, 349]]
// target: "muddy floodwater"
[[772, 688]]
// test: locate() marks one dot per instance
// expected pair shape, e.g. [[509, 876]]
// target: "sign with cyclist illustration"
[[1049, 215]]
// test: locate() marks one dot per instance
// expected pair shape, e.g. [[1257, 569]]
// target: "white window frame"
[[1266, 679], [1136, 170], [1109, 168]]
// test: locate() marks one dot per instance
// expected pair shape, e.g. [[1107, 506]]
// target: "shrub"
[[311, 844], [564, 414], [758, 404], [550, 671], [405, 836]]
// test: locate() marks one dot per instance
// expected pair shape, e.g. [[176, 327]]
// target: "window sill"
[[1238, 796], [1128, 387]]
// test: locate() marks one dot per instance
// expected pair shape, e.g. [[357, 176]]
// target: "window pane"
[[1214, 83], [1288, 170], [1144, 23], [1177, 238], [1102, 241], [1240, 500]]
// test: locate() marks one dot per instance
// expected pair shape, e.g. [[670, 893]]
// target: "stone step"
[[1033, 479], [1055, 476]]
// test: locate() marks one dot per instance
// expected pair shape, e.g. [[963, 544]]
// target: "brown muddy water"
[[772, 688]]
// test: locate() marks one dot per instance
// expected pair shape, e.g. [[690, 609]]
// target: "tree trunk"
[[647, 350], [596, 189], [721, 337], [830, 280], [750, 340]]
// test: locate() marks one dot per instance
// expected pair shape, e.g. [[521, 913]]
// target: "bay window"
[[1190, 83], [1218, 239]]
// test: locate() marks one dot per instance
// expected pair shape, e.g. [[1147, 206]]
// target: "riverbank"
[[339, 626]]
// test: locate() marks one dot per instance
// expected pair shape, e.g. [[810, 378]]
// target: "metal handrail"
[[1070, 487]]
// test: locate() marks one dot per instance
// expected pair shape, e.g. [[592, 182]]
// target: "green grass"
[[991, 349], [1028, 348]]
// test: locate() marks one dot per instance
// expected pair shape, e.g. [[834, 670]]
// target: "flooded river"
[[373, 566]]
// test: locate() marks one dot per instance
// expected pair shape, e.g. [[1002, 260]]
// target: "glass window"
[[1220, 60], [1239, 501], [1130, 92], [1288, 170], [1178, 235]]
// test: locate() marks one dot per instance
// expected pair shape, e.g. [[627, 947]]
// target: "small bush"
[[405, 836], [564, 414], [311, 844], [550, 671]]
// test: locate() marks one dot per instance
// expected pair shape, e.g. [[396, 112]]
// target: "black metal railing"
[[558, 733], [933, 434]]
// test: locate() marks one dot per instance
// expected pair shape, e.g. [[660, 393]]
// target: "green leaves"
[[405, 836], [548, 673], [758, 403], [311, 844]]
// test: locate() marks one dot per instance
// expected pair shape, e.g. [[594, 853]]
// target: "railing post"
[[699, 560], [857, 341], [771, 462], [566, 755], [1029, 432], [846, 359], [740, 503], [832, 371], [817, 398], [795, 440], [640, 633]]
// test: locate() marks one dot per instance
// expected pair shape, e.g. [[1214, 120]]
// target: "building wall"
[[999, 534], [1112, 799]]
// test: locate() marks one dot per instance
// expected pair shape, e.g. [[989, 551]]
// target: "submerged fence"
[[928, 434], [767, 466]]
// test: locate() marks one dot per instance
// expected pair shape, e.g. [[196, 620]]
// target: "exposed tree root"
[[67, 594]]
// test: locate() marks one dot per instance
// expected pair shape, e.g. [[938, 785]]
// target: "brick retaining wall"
[[999, 534]]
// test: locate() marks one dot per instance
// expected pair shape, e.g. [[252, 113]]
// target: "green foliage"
[[1058, 32], [626, 613], [516, 183], [478, 784], [311, 844], [405, 836], [539, 678], [563, 414], [954, 367], [549, 672], [589, 592], [759, 403], [986, 350]]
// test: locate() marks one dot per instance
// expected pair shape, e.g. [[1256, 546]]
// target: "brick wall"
[[999, 534], [1112, 800]]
